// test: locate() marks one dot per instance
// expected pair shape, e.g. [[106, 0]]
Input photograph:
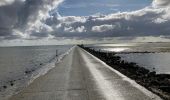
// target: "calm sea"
[[159, 60], [15, 61]]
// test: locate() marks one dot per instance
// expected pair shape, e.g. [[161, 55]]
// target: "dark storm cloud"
[[23, 15], [8, 17]]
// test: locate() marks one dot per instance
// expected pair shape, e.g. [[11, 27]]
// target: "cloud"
[[6, 2], [84, 5], [78, 29], [103, 28], [161, 3], [24, 15], [31, 19], [149, 21]]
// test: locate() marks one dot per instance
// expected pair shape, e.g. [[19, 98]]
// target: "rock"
[[4, 86], [152, 74], [27, 72], [12, 84], [163, 76], [165, 88], [154, 83], [146, 78]]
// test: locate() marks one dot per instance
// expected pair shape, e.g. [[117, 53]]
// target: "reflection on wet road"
[[81, 76]]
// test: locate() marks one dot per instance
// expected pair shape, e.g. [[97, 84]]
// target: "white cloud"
[[103, 28], [161, 3], [6, 2], [159, 20], [149, 21], [72, 19], [41, 13], [34, 20], [78, 29], [68, 29]]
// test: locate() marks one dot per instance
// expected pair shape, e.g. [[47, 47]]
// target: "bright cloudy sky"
[[38, 22]]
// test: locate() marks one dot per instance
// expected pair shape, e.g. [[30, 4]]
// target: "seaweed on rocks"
[[157, 83]]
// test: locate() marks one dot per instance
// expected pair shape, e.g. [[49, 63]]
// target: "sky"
[[50, 22], [92, 7]]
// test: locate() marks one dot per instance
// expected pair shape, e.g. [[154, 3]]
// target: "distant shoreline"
[[157, 83]]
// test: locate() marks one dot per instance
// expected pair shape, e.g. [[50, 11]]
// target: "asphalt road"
[[81, 76]]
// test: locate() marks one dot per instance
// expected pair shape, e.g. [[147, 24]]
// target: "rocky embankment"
[[157, 83]]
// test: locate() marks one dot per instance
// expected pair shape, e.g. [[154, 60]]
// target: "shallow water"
[[14, 61], [133, 47], [158, 61]]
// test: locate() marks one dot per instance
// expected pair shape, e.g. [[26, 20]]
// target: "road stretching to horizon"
[[81, 76]]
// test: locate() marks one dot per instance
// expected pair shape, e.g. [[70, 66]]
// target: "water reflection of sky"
[[133, 47], [115, 49], [115, 45], [159, 61]]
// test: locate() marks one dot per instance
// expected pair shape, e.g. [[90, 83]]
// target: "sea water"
[[157, 56], [19, 65]]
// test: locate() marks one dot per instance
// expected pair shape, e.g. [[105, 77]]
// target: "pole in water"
[[56, 52]]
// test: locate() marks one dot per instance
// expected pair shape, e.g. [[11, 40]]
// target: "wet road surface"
[[81, 76]]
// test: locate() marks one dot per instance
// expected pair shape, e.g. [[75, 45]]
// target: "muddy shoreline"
[[157, 83]]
